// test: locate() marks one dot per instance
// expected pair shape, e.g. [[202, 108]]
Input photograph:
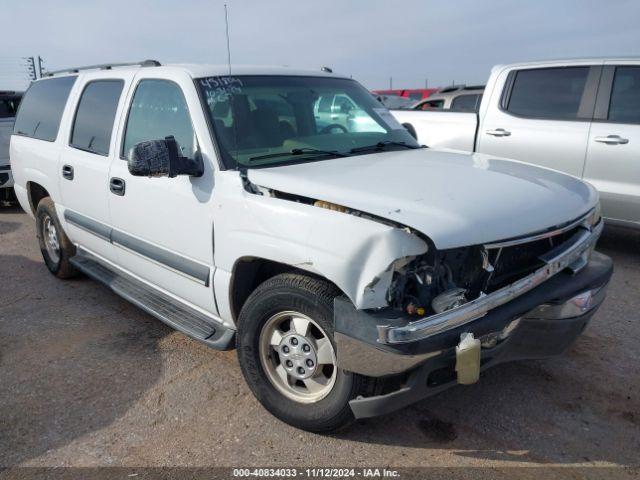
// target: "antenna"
[[232, 105], [226, 22]]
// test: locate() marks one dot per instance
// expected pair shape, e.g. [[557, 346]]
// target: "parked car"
[[395, 102], [460, 98], [354, 271], [333, 109], [9, 101], [413, 94], [581, 117]]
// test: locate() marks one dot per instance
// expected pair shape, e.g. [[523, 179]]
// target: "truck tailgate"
[[445, 129], [6, 128]]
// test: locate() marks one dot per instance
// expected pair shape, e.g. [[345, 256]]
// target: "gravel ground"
[[87, 379]]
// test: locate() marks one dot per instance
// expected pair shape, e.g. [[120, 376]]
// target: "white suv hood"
[[456, 199]]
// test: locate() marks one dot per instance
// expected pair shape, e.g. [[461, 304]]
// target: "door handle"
[[499, 132], [116, 185], [67, 172], [612, 140]]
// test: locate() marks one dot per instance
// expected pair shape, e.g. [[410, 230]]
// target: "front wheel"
[[288, 356]]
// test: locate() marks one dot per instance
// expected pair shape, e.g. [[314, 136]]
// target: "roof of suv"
[[569, 61], [198, 70], [206, 70]]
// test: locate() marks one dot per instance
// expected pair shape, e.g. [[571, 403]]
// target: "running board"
[[171, 311]]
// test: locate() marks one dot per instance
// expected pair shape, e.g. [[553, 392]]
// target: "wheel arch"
[[249, 272], [35, 193]]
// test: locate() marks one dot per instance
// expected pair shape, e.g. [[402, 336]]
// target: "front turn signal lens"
[[330, 206]]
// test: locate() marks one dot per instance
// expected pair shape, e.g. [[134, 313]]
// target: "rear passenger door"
[[84, 164], [541, 116], [613, 158]]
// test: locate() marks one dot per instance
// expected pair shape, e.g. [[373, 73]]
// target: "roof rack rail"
[[105, 66]]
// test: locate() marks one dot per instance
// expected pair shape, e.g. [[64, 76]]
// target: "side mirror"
[[411, 129], [161, 158]]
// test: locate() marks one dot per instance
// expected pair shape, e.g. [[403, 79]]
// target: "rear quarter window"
[[41, 109], [431, 105]]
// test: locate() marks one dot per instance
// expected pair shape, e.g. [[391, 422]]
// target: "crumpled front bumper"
[[539, 323]]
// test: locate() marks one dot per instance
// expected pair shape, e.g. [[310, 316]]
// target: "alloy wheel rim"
[[50, 237], [298, 357]]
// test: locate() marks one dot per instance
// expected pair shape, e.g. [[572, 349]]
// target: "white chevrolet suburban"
[[581, 117], [354, 271]]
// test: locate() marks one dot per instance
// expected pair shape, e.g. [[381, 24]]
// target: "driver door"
[[163, 226]]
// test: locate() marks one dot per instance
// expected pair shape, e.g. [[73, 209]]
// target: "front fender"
[[355, 253]]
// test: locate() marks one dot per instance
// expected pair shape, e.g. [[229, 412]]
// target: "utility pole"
[[31, 68], [426, 83], [390, 83]]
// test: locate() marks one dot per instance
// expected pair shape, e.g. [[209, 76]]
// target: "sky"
[[410, 41]]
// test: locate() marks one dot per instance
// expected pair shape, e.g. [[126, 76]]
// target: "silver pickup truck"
[[581, 117], [9, 102]]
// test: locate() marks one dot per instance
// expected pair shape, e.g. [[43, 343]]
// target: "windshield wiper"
[[381, 146], [299, 151]]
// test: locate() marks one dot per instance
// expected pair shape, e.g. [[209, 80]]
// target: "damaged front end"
[[464, 283], [443, 280], [457, 312]]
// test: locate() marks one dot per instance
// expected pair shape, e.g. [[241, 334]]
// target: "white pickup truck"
[[354, 271], [581, 117]]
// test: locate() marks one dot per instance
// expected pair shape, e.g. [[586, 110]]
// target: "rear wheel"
[[55, 246], [288, 356]]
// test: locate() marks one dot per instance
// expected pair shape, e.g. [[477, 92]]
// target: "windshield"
[[274, 120]]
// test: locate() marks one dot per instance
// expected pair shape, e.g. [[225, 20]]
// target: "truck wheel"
[[55, 246], [287, 353]]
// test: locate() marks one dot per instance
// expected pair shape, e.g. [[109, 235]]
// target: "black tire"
[[60, 267], [312, 297]]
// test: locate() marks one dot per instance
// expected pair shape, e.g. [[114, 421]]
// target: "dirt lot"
[[86, 379]]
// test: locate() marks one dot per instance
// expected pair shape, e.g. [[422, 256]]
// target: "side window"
[[624, 106], [432, 105], [41, 109], [415, 95], [324, 104], [342, 104], [467, 103], [95, 115], [551, 93], [158, 110]]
